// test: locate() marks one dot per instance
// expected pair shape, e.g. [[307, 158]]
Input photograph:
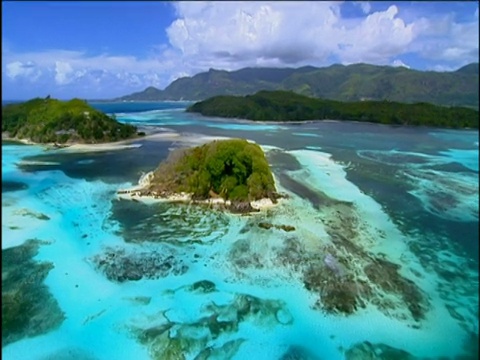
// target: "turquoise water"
[[382, 264]]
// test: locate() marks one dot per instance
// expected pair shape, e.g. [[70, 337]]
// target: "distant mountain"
[[337, 82], [469, 69]]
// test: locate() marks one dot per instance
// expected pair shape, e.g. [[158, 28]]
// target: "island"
[[232, 173], [47, 120], [289, 106]]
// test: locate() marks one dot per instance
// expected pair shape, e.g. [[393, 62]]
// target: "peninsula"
[[233, 172], [289, 106], [61, 122]]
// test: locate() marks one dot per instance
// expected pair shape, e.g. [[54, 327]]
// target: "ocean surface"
[[382, 264]]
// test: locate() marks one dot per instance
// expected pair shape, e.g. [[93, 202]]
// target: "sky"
[[103, 50]]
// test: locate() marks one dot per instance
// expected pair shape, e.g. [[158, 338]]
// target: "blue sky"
[[107, 49]]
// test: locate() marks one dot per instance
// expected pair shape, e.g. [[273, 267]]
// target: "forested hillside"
[[289, 106]]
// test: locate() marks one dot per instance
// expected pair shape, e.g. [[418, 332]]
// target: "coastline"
[[105, 146], [138, 193], [79, 147], [135, 194]]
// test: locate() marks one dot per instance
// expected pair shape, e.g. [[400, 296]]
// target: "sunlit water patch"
[[452, 196], [252, 127], [306, 134], [468, 158], [441, 188]]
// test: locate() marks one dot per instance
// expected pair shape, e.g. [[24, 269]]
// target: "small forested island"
[[233, 171], [289, 106], [54, 121]]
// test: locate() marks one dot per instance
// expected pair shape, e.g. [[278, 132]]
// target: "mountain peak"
[[469, 69]]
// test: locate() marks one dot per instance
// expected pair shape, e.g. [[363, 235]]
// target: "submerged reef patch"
[[457, 273], [379, 351], [28, 308], [168, 223], [8, 186], [367, 350], [119, 265], [214, 333], [33, 214], [338, 266], [298, 353]]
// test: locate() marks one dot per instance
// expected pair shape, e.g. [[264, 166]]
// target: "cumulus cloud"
[[241, 33], [376, 39], [231, 35], [364, 5], [27, 70], [447, 40], [62, 72], [76, 71], [286, 34]]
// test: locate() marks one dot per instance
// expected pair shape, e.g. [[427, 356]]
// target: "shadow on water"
[[8, 186], [109, 166], [317, 198]]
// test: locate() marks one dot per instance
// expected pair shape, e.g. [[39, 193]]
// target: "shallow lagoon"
[[383, 262]]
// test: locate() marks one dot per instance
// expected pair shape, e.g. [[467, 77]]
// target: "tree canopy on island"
[[289, 106], [232, 169], [50, 120]]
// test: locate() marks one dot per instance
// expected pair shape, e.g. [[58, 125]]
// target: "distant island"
[[354, 82], [233, 172], [54, 121], [289, 106]]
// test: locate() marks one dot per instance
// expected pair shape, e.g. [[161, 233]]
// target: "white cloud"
[[447, 40], [381, 36], [238, 33], [285, 33], [231, 35], [364, 5], [443, 68], [62, 72], [18, 69], [398, 63]]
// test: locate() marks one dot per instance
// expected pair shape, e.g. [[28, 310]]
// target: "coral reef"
[[209, 336], [119, 265], [28, 309]]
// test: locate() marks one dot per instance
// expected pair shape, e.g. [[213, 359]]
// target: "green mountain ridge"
[[337, 82]]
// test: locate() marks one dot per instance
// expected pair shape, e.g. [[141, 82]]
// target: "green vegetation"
[[288, 106], [232, 169], [50, 120], [337, 82]]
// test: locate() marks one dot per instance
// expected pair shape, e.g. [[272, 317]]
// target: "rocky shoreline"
[[141, 192]]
